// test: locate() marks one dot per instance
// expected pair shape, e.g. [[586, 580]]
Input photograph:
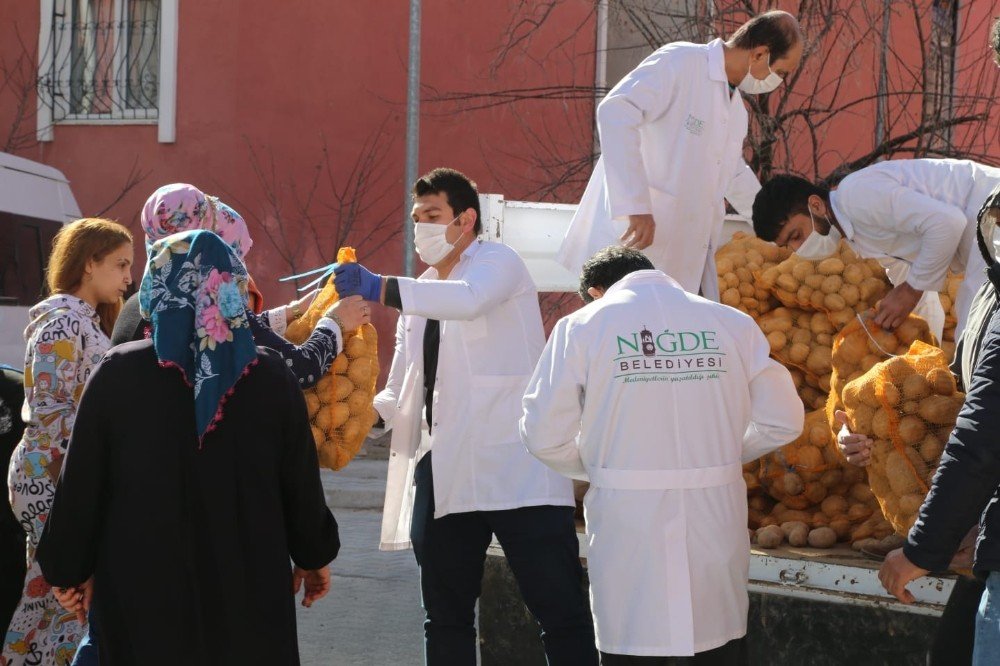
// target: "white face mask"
[[817, 246], [430, 242], [751, 85]]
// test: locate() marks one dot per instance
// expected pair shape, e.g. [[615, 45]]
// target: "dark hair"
[[457, 188], [780, 198], [777, 30], [610, 265], [995, 41]]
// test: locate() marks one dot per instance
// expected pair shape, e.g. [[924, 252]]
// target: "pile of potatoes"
[[341, 410], [840, 286], [804, 340], [908, 405], [738, 264], [850, 518]]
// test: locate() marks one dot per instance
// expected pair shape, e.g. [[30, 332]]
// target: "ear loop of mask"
[[992, 267]]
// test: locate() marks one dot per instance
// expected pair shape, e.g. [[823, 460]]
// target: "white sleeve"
[[490, 280], [277, 320], [644, 94], [884, 203], [742, 189], [776, 412], [387, 399], [553, 405]]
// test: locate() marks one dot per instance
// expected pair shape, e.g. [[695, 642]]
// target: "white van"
[[35, 202]]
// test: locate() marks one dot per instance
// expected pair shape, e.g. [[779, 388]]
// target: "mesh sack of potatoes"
[[861, 345], [948, 297], [340, 405], [840, 285], [804, 340], [908, 406], [738, 264], [804, 472]]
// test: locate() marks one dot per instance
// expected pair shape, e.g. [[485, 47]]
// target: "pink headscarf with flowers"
[[181, 207]]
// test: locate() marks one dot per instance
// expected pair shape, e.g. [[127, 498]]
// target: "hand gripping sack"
[[340, 404], [908, 405]]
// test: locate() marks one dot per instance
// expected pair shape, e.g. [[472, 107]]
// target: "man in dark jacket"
[[966, 487]]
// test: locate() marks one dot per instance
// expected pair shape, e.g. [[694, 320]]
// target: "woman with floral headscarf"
[[181, 207], [177, 501]]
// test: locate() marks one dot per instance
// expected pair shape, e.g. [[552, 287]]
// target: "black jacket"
[[966, 487]]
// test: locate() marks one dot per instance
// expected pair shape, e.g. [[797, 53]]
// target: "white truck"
[[35, 202], [796, 593]]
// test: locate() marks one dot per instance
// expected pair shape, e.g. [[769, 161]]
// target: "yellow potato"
[[900, 475], [834, 302], [851, 294], [359, 402], [939, 409], [814, 281], [822, 537], [831, 266], [912, 430], [777, 340], [832, 284], [324, 419], [340, 364], [802, 269], [931, 448], [731, 297], [880, 424], [853, 274], [352, 430], [342, 387], [339, 413], [909, 504], [915, 387], [360, 371], [799, 352], [941, 381], [312, 403], [355, 347]]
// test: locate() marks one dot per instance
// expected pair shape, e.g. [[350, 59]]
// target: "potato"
[[814, 492], [822, 537], [900, 475], [319, 437], [339, 413], [352, 429], [841, 525], [931, 448], [798, 353], [799, 536], [340, 364], [819, 519], [817, 300], [851, 294], [831, 477], [941, 381], [834, 505], [789, 525], [830, 266], [788, 283], [791, 484], [770, 536], [861, 419], [360, 371], [814, 281], [324, 419], [880, 424], [731, 297], [832, 284], [359, 402], [939, 409], [746, 290], [916, 387], [897, 369], [818, 361], [724, 265], [777, 340], [760, 503], [834, 302], [859, 512], [864, 543], [861, 492], [323, 387], [912, 429], [355, 347], [342, 387], [890, 394], [909, 504], [910, 406], [312, 403], [853, 274], [802, 269]]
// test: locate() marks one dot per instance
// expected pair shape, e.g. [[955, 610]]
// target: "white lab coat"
[[491, 336], [672, 146], [918, 218], [662, 448]]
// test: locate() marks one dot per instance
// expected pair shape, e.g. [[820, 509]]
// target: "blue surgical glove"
[[356, 280]]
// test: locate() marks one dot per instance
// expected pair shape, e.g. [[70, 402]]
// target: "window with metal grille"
[[103, 61]]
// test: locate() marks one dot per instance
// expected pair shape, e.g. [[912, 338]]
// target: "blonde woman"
[[88, 273]]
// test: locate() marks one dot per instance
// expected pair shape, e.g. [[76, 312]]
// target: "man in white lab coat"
[[672, 134], [657, 396], [468, 338], [916, 217]]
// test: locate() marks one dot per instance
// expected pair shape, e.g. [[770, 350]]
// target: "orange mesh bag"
[[861, 345], [908, 405], [340, 405], [739, 263], [840, 285], [804, 472], [948, 297]]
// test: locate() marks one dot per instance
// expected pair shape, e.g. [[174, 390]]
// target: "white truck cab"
[[35, 202]]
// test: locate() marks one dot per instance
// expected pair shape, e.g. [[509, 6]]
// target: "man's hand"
[[76, 599], [639, 234], [896, 306], [896, 573], [317, 584], [356, 280], [857, 449]]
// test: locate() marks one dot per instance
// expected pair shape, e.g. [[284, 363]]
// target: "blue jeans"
[[87, 653], [987, 649]]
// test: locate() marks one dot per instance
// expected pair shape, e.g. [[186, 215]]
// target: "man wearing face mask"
[[916, 217], [468, 337], [672, 134]]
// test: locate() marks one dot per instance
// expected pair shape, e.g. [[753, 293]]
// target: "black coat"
[[13, 550], [189, 548], [966, 487]]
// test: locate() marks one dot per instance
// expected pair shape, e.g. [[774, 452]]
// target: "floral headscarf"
[[182, 207], [194, 292]]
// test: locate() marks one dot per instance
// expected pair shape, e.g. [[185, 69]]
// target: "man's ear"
[[467, 220], [817, 205], [595, 292]]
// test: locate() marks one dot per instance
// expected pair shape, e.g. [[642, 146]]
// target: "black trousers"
[[732, 653], [956, 632], [13, 565], [544, 555]]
